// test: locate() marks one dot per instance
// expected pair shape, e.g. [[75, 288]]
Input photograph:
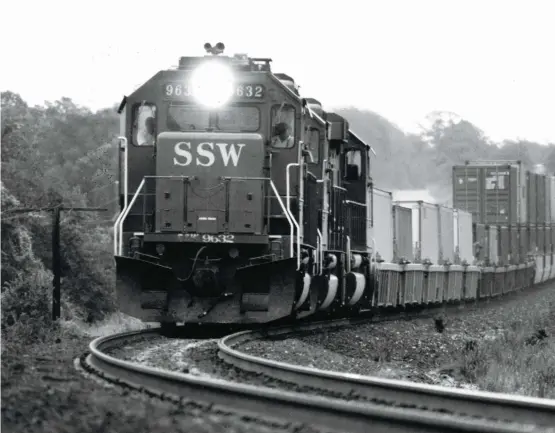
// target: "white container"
[[462, 231], [446, 237], [425, 230], [382, 230]]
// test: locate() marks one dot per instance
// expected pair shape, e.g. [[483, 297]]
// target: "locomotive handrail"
[[348, 253], [124, 215], [288, 201], [125, 190], [118, 226], [354, 202], [320, 252]]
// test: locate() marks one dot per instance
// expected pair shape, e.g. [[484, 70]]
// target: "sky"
[[490, 61]]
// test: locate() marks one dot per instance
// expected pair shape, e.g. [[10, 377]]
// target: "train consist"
[[243, 202]]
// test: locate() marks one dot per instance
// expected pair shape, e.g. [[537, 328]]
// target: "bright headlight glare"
[[212, 84]]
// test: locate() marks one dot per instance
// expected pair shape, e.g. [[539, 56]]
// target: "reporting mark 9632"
[[242, 91]]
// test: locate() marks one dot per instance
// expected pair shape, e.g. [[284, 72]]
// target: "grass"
[[521, 360]]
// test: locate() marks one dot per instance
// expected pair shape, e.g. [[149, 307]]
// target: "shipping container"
[[382, 217], [402, 234], [531, 197], [425, 230], [480, 241], [493, 193], [504, 245], [446, 237], [462, 230], [492, 246], [515, 245], [523, 241], [541, 198]]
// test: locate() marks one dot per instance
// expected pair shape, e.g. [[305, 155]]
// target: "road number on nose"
[[218, 239]]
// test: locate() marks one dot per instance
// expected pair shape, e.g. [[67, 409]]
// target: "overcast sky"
[[492, 62]]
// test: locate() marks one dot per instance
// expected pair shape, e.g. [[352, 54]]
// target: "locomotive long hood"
[[209, 155]]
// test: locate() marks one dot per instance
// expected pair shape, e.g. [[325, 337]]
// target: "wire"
[[194, 265]]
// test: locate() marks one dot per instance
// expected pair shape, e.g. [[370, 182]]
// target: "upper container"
[[494, 192]]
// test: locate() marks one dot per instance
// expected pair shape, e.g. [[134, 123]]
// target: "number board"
[[180, 90]]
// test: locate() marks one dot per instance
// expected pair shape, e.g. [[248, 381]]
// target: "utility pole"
[[56, 265], [56, 248]]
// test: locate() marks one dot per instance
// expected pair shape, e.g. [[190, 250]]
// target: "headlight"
[[212, 83]]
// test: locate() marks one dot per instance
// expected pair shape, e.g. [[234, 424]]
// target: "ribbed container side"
[[492, 193], [463, 235], [531, 207], [382, 232], [467, 191], [541, 198], [446, 244], [504, 245], [492, 244], [480, 238], [425, 230], [402, 230]]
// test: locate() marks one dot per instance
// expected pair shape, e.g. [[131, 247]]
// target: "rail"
[[487, 405], [328, 413]]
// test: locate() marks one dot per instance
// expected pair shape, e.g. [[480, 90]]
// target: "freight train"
[[244, 202]]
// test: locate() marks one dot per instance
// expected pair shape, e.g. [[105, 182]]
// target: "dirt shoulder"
[[505, 345], [43, 392]]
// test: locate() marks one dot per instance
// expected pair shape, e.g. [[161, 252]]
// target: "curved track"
[[486, 405], [326, 413]]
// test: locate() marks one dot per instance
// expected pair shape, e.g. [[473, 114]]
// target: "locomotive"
[[243, 202]]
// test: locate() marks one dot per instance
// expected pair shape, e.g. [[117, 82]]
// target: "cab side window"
[[353, 165], [144, 124], [312, 140], [283, 126]]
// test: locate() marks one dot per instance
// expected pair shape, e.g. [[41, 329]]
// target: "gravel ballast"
[[430, 350]]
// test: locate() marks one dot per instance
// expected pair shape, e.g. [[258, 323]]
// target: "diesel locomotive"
[[241, 201]]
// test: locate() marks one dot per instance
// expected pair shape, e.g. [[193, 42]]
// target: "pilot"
[[282, 136], [149, 132]]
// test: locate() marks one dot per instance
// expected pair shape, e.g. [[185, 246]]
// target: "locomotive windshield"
[[239, 118]]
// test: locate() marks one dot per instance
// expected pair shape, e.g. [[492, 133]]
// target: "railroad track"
[[486, 405], [325, 413]]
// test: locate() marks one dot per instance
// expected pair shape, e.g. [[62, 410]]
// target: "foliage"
[[521, 359], [55, 154]]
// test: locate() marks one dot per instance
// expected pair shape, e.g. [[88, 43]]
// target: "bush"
[[520, 360], [26, 306]]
